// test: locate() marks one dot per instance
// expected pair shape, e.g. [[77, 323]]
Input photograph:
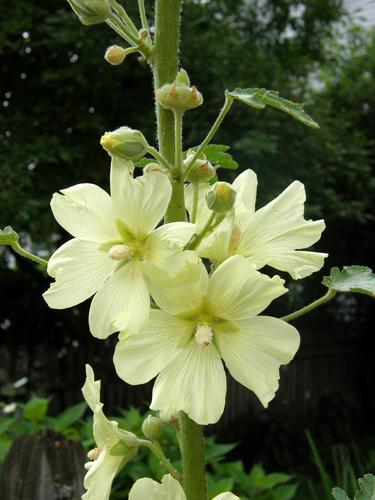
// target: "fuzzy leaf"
[[366, 488], [357, 279], [217, 155], [8, 236], [260, 98]]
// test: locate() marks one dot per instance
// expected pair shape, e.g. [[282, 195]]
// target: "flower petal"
[[121, 171], [86, 212], [193, 382], [166, 240], [216, 245], [139, 358], [245, 186], [297, 263], [146, 200], [148, 489], [122, 303], [253, 354], [99, 478], [182, 294], [91, 389], [79, 268], [278, 228], [236, 291]]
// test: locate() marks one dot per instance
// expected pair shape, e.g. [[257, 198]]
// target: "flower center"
[[94, 454], [120, 252], [204, 334]]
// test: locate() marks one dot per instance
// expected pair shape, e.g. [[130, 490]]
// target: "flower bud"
[[91, 11], [115, 55], [142, 34], [202, 170], [126, 143], [221, 197], [178, 95], [152, 428]]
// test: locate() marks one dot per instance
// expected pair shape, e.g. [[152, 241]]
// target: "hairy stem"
[[192, 449], [178, 142], [310, 307], [157, 450], [227, 105], [24, 253]]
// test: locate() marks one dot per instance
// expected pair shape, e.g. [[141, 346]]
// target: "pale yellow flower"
[[199, 324], [272, 235], [115, 243]]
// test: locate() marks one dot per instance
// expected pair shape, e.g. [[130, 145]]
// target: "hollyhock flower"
[[115, 243], [169, 489], [104, 465], [199, 324], [273, 235]]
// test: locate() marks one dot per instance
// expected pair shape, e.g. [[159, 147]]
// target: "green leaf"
[[69, 416], [286, 492], [366, 488], [5, 424], [8, 236], [357, 279], [260, 98], [35, 409], [271, 480], [339, 494], [217, 155]]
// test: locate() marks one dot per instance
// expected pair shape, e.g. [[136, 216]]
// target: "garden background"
[[58, 96]]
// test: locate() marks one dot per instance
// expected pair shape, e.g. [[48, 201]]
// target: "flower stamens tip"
[[94, 454], [204, 334], [120, 252]]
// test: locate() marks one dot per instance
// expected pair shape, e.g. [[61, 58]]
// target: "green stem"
[[121, 31], [227, 105], [199, 237], [310, 307], [121, 12], [157, 450], [155, 153], [24, 253], [178, 142], [167, 38], [142, 13], [195, 201], [192, 450]]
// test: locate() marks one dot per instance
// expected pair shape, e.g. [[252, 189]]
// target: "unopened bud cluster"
[[125, 143], [179, 96], [91, 11]]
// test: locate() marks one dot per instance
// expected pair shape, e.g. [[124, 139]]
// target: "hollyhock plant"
[[273, 235], [200, 323], [114, 240]]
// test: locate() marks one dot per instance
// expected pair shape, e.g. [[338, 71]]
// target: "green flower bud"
[[115, 55], [202, 170], [125, 143], [178, 95], [152, 428], [221, 197], [91, 11]]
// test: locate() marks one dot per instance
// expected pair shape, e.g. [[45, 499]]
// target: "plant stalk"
[[310, 307], [165, 66], [192, 450]]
